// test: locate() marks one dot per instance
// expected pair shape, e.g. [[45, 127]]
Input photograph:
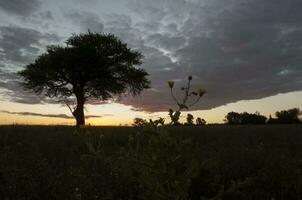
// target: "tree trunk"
[[78, 113]]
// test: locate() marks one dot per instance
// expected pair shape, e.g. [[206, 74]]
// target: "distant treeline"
[[291, 116]]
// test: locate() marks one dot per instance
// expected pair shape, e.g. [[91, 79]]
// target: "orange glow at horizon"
[[118, 114]]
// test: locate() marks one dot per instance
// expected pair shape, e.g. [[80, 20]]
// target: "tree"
[[272, 120], [290, 116], [233, 118], [91, 65], [245, 118], [255, 118]]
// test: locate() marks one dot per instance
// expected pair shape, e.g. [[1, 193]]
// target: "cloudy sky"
[[247, 54]]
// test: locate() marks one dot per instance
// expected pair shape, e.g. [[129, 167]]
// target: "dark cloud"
[[12, 90], [97, 116], [38, 114], [46, 15], [7, 76], [86, 21], [238, 50], [122, 26], [19, 7], [22, 44], [63, 116], [166, 42], [19, 46]]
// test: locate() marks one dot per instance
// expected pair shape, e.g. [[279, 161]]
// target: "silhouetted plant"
[[156, 164], [167, 163], [183, 104], [174, 116], [272, 120], [290, 116], [91, 65], [200, 121], [139, 122], [235, 118], [190, 119], [256, 118]]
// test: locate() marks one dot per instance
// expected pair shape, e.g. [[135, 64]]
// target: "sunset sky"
[[247, 54]]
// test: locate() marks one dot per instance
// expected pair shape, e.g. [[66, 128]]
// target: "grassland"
[[207, 162]]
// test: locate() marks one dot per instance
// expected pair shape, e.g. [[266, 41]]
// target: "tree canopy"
[[290, 116], [235, 118], [90, 65]]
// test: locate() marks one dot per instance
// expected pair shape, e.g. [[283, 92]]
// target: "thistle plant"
[[184, 103]]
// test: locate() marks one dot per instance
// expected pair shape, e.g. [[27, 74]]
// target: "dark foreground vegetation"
[[205, 162]]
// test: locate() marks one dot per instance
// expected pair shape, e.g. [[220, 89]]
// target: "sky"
[[247, 54]]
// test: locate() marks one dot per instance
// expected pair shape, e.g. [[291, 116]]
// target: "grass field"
[[207, 162]]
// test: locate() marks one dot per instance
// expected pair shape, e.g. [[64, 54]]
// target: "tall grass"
[[207, 162]]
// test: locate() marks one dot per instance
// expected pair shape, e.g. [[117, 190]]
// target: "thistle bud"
[[190, 78], [201, 92], [171, 84]]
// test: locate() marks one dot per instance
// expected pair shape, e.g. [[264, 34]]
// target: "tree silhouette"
[[290, 116], [235, 118], [91, 65]]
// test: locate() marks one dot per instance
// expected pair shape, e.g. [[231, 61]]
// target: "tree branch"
[[69, 107]]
